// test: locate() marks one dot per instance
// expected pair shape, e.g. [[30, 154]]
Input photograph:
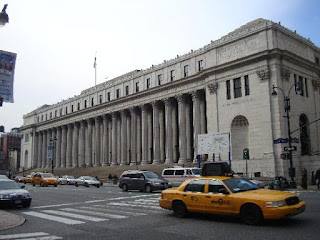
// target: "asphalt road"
[[67, 212]]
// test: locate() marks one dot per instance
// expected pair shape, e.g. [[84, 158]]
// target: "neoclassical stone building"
[[154, 116]]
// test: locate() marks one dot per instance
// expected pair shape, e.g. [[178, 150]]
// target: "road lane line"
[[100, 214], [83, 217], [53, 218], [23, 235]]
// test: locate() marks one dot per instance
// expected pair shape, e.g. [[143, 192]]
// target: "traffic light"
[[284, 156], [246, 154]]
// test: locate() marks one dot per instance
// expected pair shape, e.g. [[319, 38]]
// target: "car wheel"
[[67, 183], [33, 184], [179, 209], [76, 184], [41, 184], [124, 188], [147, 188], [251, 214], [25, 205], [55, 185], [86, 184], [98, 186]]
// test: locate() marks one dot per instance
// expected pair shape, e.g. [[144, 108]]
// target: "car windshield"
[[151, 175], [196, 171], [47, 175], [8, 185], [88, 178], [240, 185], [70, 177]]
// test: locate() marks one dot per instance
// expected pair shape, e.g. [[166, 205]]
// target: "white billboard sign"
[[7, 65], [213, 143]]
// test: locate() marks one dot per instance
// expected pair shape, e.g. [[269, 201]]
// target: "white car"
[[67, 179], [12, 194], [87, 181]]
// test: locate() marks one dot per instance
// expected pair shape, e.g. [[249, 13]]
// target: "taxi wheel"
[[124, 188], [41, 184], [55, 185], [179, 209], [33, 184], [251, 214], [147, 188]]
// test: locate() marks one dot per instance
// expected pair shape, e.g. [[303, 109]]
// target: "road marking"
[[57, 205], [94, 213], [113, 210], [53, 218], [133, 205], [83, 217], [42, 238], [23, 235]]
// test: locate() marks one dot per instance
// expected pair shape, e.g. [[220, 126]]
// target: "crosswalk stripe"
[[66, 214], [42, 238], [113, 210], [133, 205], [94, 213], [139, 204], [23, 235], [53, 218]]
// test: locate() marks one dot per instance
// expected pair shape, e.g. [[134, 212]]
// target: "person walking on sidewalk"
[[304, 178], [317, 177]]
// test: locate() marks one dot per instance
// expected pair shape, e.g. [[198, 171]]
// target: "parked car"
[[260, 184], [230, 195], [67, 179], [44, 179], [18, 179], [27, 179], [12, 194], [178, 175], [143, 181], [279, 183], [87, 181]]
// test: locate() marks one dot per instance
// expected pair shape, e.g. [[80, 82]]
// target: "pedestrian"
[[115, 179], [110, 178], [304, 178], [317, 177]]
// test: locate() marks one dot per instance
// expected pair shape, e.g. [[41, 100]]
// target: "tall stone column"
[[168, 126], [123, 138], [138, 138], [105, 142], [58, 148], [89, 143], [150, 139], [161, 135], [114, 140], [118, 140], [196, 122], [97, 142], [182, 129], [144, 125], [110, 142], [54, 150], [203, 119], [69, 147], [39, 164], [156, 133], [49, 136], [188, 132], [75, 145], [44, 149], [175, 150], [82, 143], [35, 152], [63, 146], [133, 137], [128, 140]]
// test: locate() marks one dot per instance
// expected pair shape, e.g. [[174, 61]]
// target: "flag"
[[95, 62]]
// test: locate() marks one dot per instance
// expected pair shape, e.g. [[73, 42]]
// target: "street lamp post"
[[287, 110], [4, 18], [53, 146]]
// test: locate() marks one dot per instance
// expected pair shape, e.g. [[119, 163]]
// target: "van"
[[178, 175]]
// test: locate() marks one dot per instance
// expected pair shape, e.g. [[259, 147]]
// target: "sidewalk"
[[9, 220]]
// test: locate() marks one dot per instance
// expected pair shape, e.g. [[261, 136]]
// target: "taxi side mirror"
[[223, 190]]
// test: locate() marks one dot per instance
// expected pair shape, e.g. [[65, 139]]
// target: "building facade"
[[154, 116]]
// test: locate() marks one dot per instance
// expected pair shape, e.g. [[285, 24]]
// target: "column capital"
[[195, 94], [168, 101], [105, 117], [180, 98], [89, 121], [114, 115]]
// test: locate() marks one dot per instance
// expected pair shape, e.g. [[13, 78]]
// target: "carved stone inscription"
[[237, 50]]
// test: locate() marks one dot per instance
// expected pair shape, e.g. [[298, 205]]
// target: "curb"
[[9, 220]]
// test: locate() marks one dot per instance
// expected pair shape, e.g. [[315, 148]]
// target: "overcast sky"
[[56, 40]]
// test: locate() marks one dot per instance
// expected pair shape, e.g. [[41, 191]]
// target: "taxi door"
[[218, 202], [194, 196]]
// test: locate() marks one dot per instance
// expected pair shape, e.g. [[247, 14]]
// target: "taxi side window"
[[189, 172], [179, 172], [168, 172], [215, 186], [195, 186]]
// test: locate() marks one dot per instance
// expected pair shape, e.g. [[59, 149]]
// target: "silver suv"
[[143, 181]]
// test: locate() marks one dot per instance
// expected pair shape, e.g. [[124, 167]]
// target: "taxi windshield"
[[47, 175], [240, 185]]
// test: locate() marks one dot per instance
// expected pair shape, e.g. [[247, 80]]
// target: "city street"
[[68, 212]]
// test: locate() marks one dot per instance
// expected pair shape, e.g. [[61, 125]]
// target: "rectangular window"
[[51, 115], [317, 61], [56, 113], [228, 89], [100, 98], [118, 93], [159, 79], [200, 65], [295, 82], [301, 85], [78, 106], [246, 84], [71, 108], [172, 76], [41, 118], [108, 96], [237, 87], [137, 86], [127, 90], [92, 101], [60, 111], [66, 110], [148, 83], [306, 87], [85, 103], [186, 71], [38, 119], [46, 117]]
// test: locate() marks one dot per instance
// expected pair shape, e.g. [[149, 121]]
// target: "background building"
[[154, 116]]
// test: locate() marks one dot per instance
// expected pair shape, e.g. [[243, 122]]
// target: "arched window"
[[304, 135], [239, 136]]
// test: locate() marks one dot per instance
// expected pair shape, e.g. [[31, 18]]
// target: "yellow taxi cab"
[[27, 179], [230, 196], [44, 179]]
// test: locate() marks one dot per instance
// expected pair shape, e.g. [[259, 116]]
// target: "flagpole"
[[95, 70]]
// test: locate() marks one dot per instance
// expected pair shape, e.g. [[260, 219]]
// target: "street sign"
[[280, 140], [293, 148], [294, 140]]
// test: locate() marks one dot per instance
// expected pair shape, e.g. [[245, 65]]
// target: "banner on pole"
[[7, 66]]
